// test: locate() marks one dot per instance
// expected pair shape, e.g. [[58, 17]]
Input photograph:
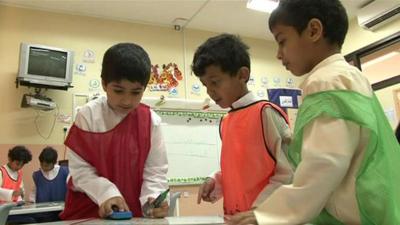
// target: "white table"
[[37, 208], [185, 220]]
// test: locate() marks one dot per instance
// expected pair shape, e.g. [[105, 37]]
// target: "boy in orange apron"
[[254, 133]]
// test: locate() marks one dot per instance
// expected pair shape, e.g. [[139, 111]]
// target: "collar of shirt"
[[12, 173], [331, 59], [50, 175], [245, 100]]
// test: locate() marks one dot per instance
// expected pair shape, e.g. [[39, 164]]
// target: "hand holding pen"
[[157, 208]]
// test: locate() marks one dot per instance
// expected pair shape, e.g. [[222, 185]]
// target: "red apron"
[[246, 163], [118, 155]]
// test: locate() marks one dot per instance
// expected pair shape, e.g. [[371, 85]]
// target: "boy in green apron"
[[344, 150]]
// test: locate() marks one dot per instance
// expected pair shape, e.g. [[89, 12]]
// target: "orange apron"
[[9, 183], [246, 163]]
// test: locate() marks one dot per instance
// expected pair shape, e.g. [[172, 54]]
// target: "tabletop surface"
[[184, 220], [37, 208]]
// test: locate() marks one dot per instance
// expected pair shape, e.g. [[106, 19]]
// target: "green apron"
[[378, 178]]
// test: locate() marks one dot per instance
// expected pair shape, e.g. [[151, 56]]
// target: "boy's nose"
[[127, 100]]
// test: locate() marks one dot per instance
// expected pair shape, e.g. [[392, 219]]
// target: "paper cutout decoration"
[[173, 92], [80, 69], [260, 93], [196, 88], [290, 82], [94, 85], [264, 81], [165, 78], [88, 56], [277, 81]]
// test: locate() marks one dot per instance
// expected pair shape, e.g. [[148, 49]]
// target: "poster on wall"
[[165, 77], [284, 97], [89, 56]]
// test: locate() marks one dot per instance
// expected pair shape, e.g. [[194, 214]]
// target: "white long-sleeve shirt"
[[331, 155], [97, 116], [277, 135], [6, 194]]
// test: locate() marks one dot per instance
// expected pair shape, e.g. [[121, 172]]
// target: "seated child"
[[50, 183], [50, 180], [11, 184], [117, 157], [255, 133], [345, 153]]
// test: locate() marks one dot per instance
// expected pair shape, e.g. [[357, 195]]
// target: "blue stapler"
[[120, 215]]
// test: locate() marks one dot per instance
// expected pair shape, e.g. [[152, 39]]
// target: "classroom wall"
[[357, 37]]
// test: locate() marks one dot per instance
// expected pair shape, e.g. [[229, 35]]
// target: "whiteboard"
[[193, 144]]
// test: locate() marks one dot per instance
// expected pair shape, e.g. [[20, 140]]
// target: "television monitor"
[[45, 66]]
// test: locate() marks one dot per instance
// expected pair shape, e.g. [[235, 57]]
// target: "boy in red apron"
[[117, 156]]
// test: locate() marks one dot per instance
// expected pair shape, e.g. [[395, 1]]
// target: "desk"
[[185, 220], [37, 208]]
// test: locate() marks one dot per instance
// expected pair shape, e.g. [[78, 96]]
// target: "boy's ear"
[[244, 73], [315, 30]]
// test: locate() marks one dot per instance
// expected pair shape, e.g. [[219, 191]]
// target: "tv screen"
[[45, 66], [47, 62]]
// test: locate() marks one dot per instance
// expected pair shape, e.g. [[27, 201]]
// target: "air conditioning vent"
[[378, 13]]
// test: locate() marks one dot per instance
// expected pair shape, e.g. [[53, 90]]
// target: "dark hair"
[[397, 132], [226, 51], [126, 61], [48, 155], [20, 153], [297, 13]]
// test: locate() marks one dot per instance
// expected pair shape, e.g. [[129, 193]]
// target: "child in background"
[[50, 183], [11, 184], [117, 156], [346, 154], [50, 179], [254, 133]]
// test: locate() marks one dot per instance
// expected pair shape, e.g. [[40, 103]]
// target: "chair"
[[4, 211], [173, 202]]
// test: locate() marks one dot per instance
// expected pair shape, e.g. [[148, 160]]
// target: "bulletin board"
[[193, 144]]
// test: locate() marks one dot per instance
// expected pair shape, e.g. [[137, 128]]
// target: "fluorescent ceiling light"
[[262, 5]]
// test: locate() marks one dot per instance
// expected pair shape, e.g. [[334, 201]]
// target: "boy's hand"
[[205, 191], [243, 218], [105, 209], [159, 212]]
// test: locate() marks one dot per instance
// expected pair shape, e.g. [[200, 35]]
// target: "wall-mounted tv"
[[45, 66]]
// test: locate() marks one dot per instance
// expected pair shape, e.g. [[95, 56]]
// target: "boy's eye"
[[118, 91], [136, 93], [214, 82]]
